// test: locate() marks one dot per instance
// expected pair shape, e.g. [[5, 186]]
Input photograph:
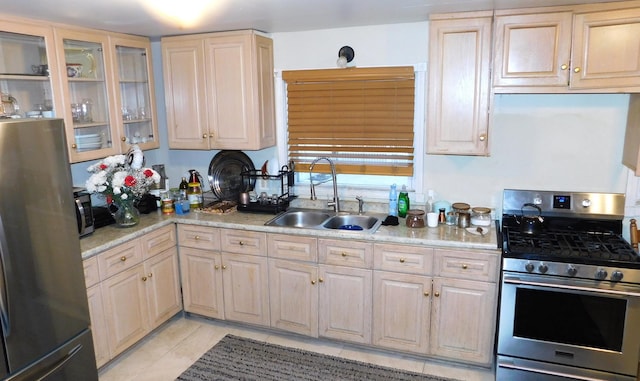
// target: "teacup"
[[74, 70], [40, 69]]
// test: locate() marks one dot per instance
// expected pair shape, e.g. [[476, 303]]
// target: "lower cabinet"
[[138, 289]]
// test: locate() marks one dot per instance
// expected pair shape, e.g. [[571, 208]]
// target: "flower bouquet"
[[122, 179]]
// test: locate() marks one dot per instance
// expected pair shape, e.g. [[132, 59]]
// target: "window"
[[361, 118]]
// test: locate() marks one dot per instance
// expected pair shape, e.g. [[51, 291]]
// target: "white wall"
[[555, 142]]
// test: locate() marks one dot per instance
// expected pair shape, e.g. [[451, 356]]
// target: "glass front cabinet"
[[99, 82]]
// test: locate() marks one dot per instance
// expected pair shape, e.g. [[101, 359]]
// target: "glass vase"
[[127, 215]]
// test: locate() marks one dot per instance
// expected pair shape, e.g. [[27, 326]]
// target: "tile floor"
[[171, 349]]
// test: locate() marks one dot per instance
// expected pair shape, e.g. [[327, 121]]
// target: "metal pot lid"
[[225, 172]]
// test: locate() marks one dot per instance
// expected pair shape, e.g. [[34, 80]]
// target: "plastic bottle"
[[429, 205], [393, 201], [403, 202]]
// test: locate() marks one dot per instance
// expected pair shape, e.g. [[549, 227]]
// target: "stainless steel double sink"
[[323, 220]]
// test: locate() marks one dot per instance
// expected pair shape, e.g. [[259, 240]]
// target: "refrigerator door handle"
[[4, 292]]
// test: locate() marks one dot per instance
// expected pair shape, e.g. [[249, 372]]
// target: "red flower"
[[103, 166], [148, 173], [130, 181]]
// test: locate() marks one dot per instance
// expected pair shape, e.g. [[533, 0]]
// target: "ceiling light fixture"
[[189, 13], [345, 55]]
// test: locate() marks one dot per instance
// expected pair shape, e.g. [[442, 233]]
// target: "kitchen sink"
[[325, 220]]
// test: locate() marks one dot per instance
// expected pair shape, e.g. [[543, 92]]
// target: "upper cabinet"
[[459, 85], [219, 91], [559, 50]]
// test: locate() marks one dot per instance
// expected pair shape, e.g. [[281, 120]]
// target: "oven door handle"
[[518, 281], [547, 372]]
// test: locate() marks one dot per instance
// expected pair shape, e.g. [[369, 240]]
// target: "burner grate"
[[579, 246]]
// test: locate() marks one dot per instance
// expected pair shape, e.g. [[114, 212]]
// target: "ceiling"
[[271, 16]]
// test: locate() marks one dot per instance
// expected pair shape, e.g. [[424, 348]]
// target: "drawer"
[[474, 265], [158, 241], [91, 274], [243, 242], [199, 237], [404, 259], [346, 253], [119, 258], [292, 247]]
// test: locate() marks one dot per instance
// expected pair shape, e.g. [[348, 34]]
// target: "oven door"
[[578, 323]]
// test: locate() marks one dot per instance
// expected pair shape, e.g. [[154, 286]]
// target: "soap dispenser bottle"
[[403, 202]]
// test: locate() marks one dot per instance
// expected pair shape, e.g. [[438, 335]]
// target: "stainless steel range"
[[570, 290]]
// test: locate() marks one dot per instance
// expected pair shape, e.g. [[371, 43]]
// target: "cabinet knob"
[[149, 275], [564, 67], [464, 266], [436, 294], [74, 145], [576, 70], [204, 136], [313, 282], [144, 278], [401, 260], [123, 139], [216, 267], [224, 267], [320, 280], [123, 258], [344, 254], [426, 293], [483, 137]]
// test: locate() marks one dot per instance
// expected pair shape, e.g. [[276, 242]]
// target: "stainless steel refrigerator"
[[44, 315]]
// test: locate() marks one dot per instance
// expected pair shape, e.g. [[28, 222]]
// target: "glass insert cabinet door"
[[25, 81], [135, 99], [84, 72]]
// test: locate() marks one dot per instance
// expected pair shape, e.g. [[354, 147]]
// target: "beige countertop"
[[442, 236]]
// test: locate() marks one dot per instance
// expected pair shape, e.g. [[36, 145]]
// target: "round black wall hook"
[[346, 52]]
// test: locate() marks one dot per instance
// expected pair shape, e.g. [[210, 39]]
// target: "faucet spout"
[[335, 202]]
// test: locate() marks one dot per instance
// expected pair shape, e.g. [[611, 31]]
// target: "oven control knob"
[[601, 274], [572, 270], [616, 276], [529, 267], [586, 203], [543, 268]]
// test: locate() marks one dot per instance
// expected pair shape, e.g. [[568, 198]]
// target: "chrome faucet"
[[335, 202], [360, 204]]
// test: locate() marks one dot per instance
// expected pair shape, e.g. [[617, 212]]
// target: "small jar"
[[481, 216], [460, 207], [167, 203], [415, 218], [194, 195]]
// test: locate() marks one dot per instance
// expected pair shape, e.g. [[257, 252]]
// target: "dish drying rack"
[[276, 187]]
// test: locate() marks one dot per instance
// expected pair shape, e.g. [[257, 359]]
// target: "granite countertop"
[[442, 236]]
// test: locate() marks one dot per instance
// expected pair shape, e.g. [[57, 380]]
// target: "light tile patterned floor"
[[166, 353]]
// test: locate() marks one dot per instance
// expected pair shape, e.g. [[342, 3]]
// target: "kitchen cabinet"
[[219, 91], [225, 273], [27, 57], [345, 300], [293, 283], [463, 315], [138, 289], [459, 83], [563, 49]]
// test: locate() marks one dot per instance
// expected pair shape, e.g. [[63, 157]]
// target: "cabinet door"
[[27, 58], [458, 99], [606, 49], [125, 304], [201, 272], [246, 289], [463, 320], [401, 311], [98, 325], [163, 287], [185, 97], [532, 50], [345, 303], [134, 90], [85, 69], [293, 298]]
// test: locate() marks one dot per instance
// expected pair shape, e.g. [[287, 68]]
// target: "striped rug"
[[237, 358]]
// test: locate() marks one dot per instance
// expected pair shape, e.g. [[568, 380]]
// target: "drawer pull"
[[123, 258], [197, 237], [401, 260], [436, 294], [344, 254], [464, 266], [241, 243]]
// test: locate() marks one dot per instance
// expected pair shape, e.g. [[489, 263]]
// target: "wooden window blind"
[[361, 118]]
